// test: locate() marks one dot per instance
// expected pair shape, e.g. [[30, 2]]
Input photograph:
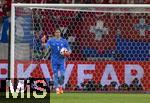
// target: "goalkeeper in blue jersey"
[[60, 49]]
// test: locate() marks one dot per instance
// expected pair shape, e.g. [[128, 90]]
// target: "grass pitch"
[[99, 98], [84, 98]]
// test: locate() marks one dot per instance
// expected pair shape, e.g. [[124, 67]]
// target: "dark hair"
[[53, 33]]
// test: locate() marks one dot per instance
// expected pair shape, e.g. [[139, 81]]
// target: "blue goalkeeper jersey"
[[56, 45]]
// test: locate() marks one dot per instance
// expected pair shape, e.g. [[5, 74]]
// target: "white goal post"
[[14, 5]]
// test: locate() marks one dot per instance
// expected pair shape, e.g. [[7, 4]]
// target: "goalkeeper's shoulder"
[[50, 39]]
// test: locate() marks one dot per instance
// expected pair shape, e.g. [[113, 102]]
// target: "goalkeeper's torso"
[[56, 45]]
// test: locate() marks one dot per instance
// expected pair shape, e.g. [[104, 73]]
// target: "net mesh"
[[110, 47]]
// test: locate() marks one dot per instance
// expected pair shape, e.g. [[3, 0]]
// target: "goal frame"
[[14, 5]]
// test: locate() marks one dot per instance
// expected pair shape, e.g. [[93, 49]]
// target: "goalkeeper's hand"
[[43, 39]]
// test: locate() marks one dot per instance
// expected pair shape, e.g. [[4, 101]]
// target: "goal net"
[[110, 45]]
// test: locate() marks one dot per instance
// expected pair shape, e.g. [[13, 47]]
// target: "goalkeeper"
[[58, 56]]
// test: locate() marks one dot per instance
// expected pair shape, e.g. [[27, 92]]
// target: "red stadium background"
[[124, 44], [78, 72]]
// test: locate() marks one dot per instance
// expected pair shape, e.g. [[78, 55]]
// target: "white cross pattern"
[[142, 27], [63, 29], [99, 30]]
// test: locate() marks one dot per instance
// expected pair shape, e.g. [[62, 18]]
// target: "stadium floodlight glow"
[[111, 10]]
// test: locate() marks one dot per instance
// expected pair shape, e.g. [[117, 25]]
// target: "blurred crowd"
[[5, 8], [87, 1]]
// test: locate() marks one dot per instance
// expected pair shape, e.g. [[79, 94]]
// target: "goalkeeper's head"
[[57, 33]]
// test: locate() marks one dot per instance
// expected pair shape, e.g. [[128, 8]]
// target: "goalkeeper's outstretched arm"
[[46, 48], [46, 52]]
